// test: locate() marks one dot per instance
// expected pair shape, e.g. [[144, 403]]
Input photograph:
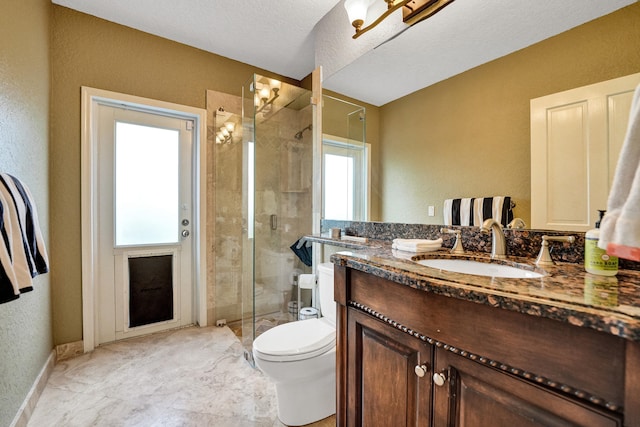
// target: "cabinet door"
[[576, 136], [384, 386], [476, 395]]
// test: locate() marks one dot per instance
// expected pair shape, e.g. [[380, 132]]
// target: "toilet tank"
[[325, 290]]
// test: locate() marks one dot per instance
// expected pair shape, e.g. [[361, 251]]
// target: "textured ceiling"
[[290, 37]]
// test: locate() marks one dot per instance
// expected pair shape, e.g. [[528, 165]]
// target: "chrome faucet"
[[457, 247], [544, 257], [498, 242]]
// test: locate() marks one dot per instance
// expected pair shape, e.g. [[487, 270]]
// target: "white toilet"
[[300, 357]]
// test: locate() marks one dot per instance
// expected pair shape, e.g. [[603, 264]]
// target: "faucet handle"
[[457, 246], [517, 223], [544, 257]]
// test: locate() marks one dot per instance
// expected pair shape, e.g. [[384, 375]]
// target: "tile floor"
[[187, 377]]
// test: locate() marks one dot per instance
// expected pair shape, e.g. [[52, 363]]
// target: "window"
[[146, 185], [345, 189]]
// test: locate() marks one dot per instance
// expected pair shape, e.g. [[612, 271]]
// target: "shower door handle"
[[185, 233]]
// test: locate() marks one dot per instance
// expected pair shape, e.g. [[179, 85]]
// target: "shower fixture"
[[298, 135]]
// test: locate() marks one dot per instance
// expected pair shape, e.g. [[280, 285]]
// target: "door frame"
[[91, 98]]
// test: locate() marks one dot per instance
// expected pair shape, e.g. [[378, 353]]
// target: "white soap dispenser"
[[596, 260]]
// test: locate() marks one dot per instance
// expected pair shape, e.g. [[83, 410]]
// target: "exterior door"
[[144, 222]]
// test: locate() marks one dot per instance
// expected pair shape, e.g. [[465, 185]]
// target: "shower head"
[[298, 135]]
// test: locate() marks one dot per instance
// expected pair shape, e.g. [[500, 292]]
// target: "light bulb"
[[230, 126], [357, 11], [264, 92], [224, 131], [275, 85]]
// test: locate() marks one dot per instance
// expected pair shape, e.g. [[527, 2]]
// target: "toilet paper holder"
[[307, 281]]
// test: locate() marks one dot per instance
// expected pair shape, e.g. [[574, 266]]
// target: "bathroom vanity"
[[418, 346]]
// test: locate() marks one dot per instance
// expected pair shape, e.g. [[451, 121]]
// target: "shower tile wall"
[[283, 186]]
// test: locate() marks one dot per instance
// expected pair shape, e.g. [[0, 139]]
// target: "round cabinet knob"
[[440, 378], [421, 370]]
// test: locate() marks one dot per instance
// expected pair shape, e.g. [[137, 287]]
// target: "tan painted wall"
[[87, 51], [468, 136], [25, 323]]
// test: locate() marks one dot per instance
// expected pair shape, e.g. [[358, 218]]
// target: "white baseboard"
[[26, 409]]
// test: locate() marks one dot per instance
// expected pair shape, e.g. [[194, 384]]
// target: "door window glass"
[[146, 185]]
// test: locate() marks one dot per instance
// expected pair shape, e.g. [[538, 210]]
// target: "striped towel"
[[22, 251], [473, 211]]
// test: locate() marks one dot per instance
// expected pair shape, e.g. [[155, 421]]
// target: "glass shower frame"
[[277, 201], [282, 136]]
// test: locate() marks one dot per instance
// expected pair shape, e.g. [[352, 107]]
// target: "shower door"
[[277, 201]]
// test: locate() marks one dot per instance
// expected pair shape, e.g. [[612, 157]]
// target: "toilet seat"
[[295, 341]]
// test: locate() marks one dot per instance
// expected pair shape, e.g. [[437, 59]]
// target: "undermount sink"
[[480, 268]]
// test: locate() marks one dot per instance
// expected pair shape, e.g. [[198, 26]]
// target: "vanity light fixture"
[[225, 132], [413, 12], [263, 98]]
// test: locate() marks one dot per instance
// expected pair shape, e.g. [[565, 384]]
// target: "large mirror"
[[469, 135]]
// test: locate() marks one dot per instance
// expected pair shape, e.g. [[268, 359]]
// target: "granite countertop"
[[566, 293]]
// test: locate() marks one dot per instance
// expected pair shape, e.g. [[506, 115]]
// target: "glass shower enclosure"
[[277, 121], [282, 193]]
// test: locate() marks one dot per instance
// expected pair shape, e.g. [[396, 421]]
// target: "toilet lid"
[[296, 340]]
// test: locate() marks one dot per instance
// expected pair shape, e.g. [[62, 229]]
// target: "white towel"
[[447, 211], [620, 228], [416, 245]]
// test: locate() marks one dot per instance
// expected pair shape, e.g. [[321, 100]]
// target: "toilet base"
[[306, 402]]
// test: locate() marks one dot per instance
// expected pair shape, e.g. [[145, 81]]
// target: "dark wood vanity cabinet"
[[498, 367], [389, 381], [473, 395]]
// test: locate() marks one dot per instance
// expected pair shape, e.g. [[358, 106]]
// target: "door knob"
[[185, 233], [421, 370], [440, 378]]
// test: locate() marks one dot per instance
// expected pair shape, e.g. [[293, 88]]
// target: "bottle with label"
[[596, 260]]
